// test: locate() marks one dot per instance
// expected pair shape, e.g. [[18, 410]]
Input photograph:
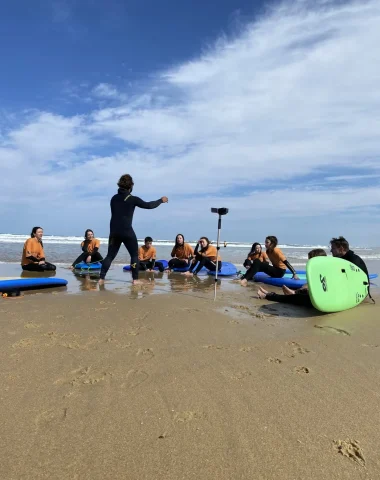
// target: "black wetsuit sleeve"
[[148, 205], [290, 267], [96, 249], [34, 259]]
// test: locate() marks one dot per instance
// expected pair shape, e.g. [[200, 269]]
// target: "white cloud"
[[295, 94]]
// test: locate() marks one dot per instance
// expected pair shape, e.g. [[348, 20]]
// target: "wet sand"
[[137, 386]]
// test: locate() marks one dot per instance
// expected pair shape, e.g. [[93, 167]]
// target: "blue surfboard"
[[228, 270], [12, 284], [127, 268], [88, 266]]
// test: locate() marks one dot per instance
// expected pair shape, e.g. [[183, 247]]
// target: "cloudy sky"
[[269, 109]]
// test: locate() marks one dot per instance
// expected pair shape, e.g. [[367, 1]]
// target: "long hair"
[[273, 240], [33, 232], [208, 243], [176, 240], [254, 248], [86, 232]]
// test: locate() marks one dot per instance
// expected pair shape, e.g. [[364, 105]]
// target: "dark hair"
[[125, 182], [273, 240], [340, 242], [34, 230], [176, 241], [86, 232], [148, 239], [254, 247], [317, 252], [208, 242]]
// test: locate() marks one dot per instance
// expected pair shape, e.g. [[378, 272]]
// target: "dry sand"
[[103, 386]]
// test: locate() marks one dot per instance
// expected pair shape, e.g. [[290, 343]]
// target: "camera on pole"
[[220, 212]]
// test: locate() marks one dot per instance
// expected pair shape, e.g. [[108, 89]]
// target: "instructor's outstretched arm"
[[149, 205]]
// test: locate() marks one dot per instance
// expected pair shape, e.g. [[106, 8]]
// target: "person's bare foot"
[[71, 267], [261, 294], [244, 282], [137, 282], [187, 274], [262, 290], [101, 281], [287, 290]]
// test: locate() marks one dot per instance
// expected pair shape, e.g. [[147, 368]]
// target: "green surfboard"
[[335, 284]]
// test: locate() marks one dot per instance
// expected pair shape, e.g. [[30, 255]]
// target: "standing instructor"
[[123, 205]]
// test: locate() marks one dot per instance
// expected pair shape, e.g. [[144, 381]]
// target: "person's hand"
[[186, 260], [164, 199], [88, 259], [41, 262], [296, 277]]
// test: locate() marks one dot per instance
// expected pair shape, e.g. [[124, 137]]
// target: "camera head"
[[220, 211]]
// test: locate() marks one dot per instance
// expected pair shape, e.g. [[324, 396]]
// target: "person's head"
[[37, 232], [148, 242], [256, 248], [179, 240], [271, 242], [339, 246], [204, 242], [88, 234], [126, 182], [316, 252]]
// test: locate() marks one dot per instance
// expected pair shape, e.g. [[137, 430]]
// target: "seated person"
[[256, 252], [278, 267], [147, 257], [294, 297], [33, 255], [90, 248], [181, 253], [340, 248], [207, 257]]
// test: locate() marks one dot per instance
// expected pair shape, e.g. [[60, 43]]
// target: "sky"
[[271, 109]]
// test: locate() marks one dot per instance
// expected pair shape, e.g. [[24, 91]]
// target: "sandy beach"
[[108, 386]]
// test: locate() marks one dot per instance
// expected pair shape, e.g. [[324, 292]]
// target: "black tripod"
[[220, 212]]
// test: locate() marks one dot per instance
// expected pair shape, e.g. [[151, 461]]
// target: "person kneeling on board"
[[295, 297], [33, 255], [147, 257], [206, 256], [255, 253], [278, 259], [181, 253], [90, 248]]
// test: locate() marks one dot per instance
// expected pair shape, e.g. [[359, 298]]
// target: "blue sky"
[[269, 109]]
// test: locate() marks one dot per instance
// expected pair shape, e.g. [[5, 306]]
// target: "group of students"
[[258, 261], [123, 205]]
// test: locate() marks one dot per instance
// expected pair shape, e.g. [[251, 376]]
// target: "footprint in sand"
[[32, 325], [297, 349], [24, 343], [350, 449], [246, 349], [188, 416], [83, 376], [51, 417], [369, 345], [301, 370], [333, 329], [146, 353], [134, 378], [233, 322], [237, 375], [216, 347], [274, 360]]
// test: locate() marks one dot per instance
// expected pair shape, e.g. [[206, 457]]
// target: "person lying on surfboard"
[[295, 297], [206, 257], [256, 252], [278, 267], [90, 249]]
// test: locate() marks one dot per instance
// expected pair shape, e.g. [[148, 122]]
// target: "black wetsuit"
[[350, 256], [95, 255], [123, 205]]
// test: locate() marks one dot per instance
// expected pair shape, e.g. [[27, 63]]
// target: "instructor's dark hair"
[[34, 230], [273, 240], [86, 232], [125, 182], [148, 239], [340, 242], [316, 252], [176, 239]]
